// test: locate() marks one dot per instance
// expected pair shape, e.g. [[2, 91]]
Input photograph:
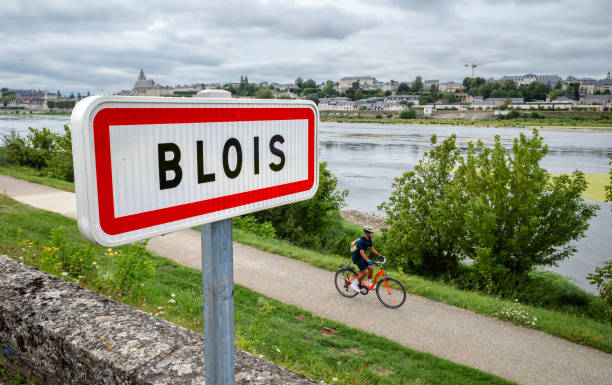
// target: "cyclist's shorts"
[[361, 263]]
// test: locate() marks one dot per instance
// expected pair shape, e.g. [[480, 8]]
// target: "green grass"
[[596, 188], [551, 119], [570, 323], [36, 176], [281, 333]]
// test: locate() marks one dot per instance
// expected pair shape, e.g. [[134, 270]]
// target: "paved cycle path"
[[523, 355]]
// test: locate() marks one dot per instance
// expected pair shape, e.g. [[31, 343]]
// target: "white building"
[[336, 104], [365, 82]]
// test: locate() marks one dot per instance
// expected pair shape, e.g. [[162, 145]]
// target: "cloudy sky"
[[100, 46]]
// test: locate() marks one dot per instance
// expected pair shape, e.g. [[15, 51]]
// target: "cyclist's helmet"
[[368, 229]]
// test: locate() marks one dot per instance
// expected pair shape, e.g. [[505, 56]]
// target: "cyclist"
[[361, 259]]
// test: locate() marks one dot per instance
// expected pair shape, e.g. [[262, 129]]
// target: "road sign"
[[147, 166]]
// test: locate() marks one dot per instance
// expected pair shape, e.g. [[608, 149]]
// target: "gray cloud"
[[102, 45]]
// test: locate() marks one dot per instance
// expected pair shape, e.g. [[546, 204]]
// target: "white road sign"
[[147, 166]]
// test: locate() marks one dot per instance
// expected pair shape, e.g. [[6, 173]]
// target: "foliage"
[[60, 160], [602, 278], [250, 224], [61, 103], [506, 89], [428, 97], [314, 222], [41, 150], [424, 215], [417, 85], [264, 93], [126, 268], [131, 266], [403, 88], [408, 114], [497, 207], [517, 216]]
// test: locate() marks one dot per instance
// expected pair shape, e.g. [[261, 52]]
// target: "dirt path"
[[523, 355]]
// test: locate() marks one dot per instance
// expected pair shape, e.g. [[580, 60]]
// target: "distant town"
[[366, 93]]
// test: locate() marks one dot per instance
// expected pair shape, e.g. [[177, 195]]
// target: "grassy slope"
[[281, 333], [573, 327]]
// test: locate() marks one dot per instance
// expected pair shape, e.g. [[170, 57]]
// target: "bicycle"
[[390, 292]]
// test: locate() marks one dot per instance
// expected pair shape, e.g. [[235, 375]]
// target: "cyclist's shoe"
[[355, 286], [367, 283]]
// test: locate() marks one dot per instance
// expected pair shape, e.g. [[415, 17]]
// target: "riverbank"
[[547, 120]]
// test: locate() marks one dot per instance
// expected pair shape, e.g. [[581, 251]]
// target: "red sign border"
[[107, 117]]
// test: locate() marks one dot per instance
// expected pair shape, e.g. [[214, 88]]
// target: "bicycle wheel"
[[394, 297], [342, 277]]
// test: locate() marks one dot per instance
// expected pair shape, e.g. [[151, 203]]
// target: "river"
[[366, 157]]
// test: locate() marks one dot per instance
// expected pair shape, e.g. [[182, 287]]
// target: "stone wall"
[[55, 332]]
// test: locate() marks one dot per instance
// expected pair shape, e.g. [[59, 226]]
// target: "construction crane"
[[476, 65]]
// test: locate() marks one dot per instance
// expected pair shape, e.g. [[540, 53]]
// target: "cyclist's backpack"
[[354, 245]]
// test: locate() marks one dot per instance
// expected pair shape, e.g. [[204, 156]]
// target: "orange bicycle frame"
[[381, 272]]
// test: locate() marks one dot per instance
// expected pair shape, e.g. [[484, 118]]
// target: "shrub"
[[131, 266], [517, 216], [250, 224], [424, 213], [514, 114], [315, 222], [408, 114], [602, 278], [41, 150], [60, 160], [14, 149], [535, 115]]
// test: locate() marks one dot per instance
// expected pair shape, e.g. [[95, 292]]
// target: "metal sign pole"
[[218, 287]]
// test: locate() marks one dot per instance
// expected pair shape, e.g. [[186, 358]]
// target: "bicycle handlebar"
[[380, 263]]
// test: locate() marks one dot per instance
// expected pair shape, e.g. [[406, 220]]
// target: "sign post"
[[218, 285], [147, 166], [218, 296]]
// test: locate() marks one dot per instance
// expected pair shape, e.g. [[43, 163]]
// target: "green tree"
[[329, 89], [264, 93], [355, 85], [517, 216], [428, 98], [417, 86], [299, 82], [424, 212], [403, 88], [573, 91], [449, 97], [555, 94], [309, 84]]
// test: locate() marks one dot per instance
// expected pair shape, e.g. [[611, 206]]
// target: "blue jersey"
[[362, 244]]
